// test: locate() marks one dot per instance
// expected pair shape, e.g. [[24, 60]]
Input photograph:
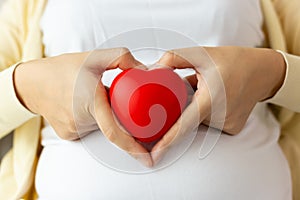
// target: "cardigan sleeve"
[[12, 32], [13, 113], [288, 95], [289, 16], [12, 36]]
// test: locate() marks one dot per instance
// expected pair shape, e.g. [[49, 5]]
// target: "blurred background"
[[1, 1], [6, 142]]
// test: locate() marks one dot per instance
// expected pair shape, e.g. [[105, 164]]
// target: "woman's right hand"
[[66, 90], [229, 82]]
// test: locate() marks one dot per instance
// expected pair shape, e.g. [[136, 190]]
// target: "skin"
[[249, 75], [47, 85]]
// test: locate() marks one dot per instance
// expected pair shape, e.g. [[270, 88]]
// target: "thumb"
[[111, 130], [193, 115]]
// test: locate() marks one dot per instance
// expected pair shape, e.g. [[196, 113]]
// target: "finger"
[[105, 120], [104, 59], [193, 115], [175, 59], [196, 58], [193, 81], [126, 60]]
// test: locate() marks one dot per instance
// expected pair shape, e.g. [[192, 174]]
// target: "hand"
[[67, 92], [248, 75]]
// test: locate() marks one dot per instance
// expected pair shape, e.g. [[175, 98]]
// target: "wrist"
[[279, 64], [22, 88]]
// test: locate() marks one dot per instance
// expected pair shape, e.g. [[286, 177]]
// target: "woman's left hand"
[[248, 75]]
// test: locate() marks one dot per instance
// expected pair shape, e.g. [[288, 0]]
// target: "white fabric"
[[247, 166]]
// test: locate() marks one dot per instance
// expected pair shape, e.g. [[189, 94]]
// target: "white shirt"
[[247, 166]]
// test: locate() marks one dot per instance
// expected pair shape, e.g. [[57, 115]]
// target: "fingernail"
[[149, 163], [156, 156], [145, 160]]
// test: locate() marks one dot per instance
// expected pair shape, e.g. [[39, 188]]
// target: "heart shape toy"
[[148, 103]]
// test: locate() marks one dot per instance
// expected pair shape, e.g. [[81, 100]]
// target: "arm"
[[13, 113], [12, 37], [246, 75], [61, 83], [288, 95], [288, 13], [66, 91]]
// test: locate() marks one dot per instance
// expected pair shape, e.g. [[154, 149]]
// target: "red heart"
[[148, 103]]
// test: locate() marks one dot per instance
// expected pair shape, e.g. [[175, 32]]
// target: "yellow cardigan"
[[21, 40]]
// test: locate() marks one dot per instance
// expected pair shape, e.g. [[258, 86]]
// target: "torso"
[[247, 166]]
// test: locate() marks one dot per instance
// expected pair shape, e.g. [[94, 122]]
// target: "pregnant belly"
[[247, 166]]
